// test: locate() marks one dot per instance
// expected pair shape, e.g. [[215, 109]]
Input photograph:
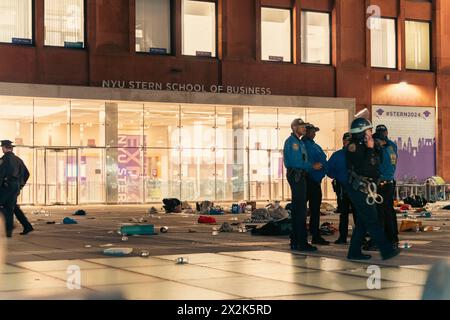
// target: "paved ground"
[[227, 266]]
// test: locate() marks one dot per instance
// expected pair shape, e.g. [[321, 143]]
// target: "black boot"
[[27, 230]]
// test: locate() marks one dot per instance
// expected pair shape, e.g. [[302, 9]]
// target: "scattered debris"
[[118, 252], [276, 211], [192, 231], [260, 215], [164, 229], [215, 233], [153, 210], [235, 208], [88, 246], [204, 206], [410, 225], [182, 260], [172, 205], [274, 228], [327, 207], [189, 211], [110, 232], [425, 214], [144, 253], [327, 229], [79, 213], [106, 245], [446, 207], [68, 220], [207, 219], [142, 229], [185, 205], [216, 211], [51, 222], [124, 238], [226, 227]]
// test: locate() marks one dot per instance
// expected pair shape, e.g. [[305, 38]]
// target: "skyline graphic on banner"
[[416, 148]]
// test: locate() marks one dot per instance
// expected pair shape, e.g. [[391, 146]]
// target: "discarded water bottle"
[[182, 260], [124, 238], [164, 229], [145, 253]]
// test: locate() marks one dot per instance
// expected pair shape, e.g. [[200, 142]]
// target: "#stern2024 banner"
[[413, 129]]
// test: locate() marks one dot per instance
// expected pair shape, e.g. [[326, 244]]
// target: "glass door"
[[57, 176]]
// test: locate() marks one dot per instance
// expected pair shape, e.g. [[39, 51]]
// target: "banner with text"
[[413, 129]]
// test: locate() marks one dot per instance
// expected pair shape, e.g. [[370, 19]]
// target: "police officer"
[[297, 163], [386, 184], [362, 162], [313, 183], [337, 170], [13, 176]]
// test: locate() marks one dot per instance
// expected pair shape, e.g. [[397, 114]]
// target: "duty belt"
[[366, 185], [298, 173]]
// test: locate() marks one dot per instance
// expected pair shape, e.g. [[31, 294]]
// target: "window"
[[16, 23], [418, 45], [64, 23], [153, 26], [383, 43], [316, 37], [276, 34], [199, 28]]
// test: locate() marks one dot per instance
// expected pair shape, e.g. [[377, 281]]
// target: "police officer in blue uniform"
[[13, 176], [313, 183], [386, 184], [337, 170], [362, 162], [297, 164]]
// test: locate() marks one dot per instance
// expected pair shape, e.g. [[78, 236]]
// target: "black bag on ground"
[[415, 201], [274, 228], [171, 204]]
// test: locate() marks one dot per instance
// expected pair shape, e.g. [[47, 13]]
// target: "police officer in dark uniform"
[[296, 162], [363, 162], [337, 170], [13, 176], [386, 185], [314, 183]]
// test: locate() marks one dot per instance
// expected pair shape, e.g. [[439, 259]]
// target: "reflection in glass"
[[16, 120], [88, 123], [161, 124], [92, 175], [51, 119]]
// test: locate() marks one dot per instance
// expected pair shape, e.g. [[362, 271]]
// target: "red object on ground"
[[206, 219], [405, 207]]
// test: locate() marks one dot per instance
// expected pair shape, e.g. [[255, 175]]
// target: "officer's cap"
[[381, 128], [7, 144], [298, 123], [311, 127]]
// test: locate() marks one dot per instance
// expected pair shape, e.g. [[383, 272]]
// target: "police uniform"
[[313, 186], [296, 162], [13, 176], [337, 170], [386, 187], [363, 163]]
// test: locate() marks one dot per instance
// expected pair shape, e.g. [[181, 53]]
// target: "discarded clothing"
[[79, 213], [415, 201], [260, 215], [274, 228], [226, 227], [118, 252], [446, 207], [206, 219], [204, 206], [327, 229], [68, 220], [172, 205]]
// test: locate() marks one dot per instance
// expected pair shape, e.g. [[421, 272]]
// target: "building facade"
[[131, 101]]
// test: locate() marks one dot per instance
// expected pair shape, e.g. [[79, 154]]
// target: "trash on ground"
[[79, 213], [226, 227], [88, 246], [216, 211], [428, 229], [446, 207], [405, 207], [185, 205], [405, 245], [153, 210], [276, 211], [189, 211], [207, 219], [261, 214], [182, 260], [142, 229], [436, 228], [118, 252], [235, 208], [327, 229], [274, 228], [68, 220], [106, 245], [215, 233], [164, 229], [425, 214], [204, 206], [192, 231], [410, 225], [327, 207], [124, 238], [172, 205], [144, 253], [110, 232], [415, 201], [51, 222]]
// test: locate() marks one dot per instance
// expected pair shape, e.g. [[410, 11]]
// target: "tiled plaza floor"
[[227, 266]]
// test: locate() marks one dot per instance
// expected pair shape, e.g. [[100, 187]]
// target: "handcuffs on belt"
[[372, 195]]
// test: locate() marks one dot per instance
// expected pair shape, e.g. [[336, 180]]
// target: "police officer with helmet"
[[297, 164], [363, 162], [13, 176]]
